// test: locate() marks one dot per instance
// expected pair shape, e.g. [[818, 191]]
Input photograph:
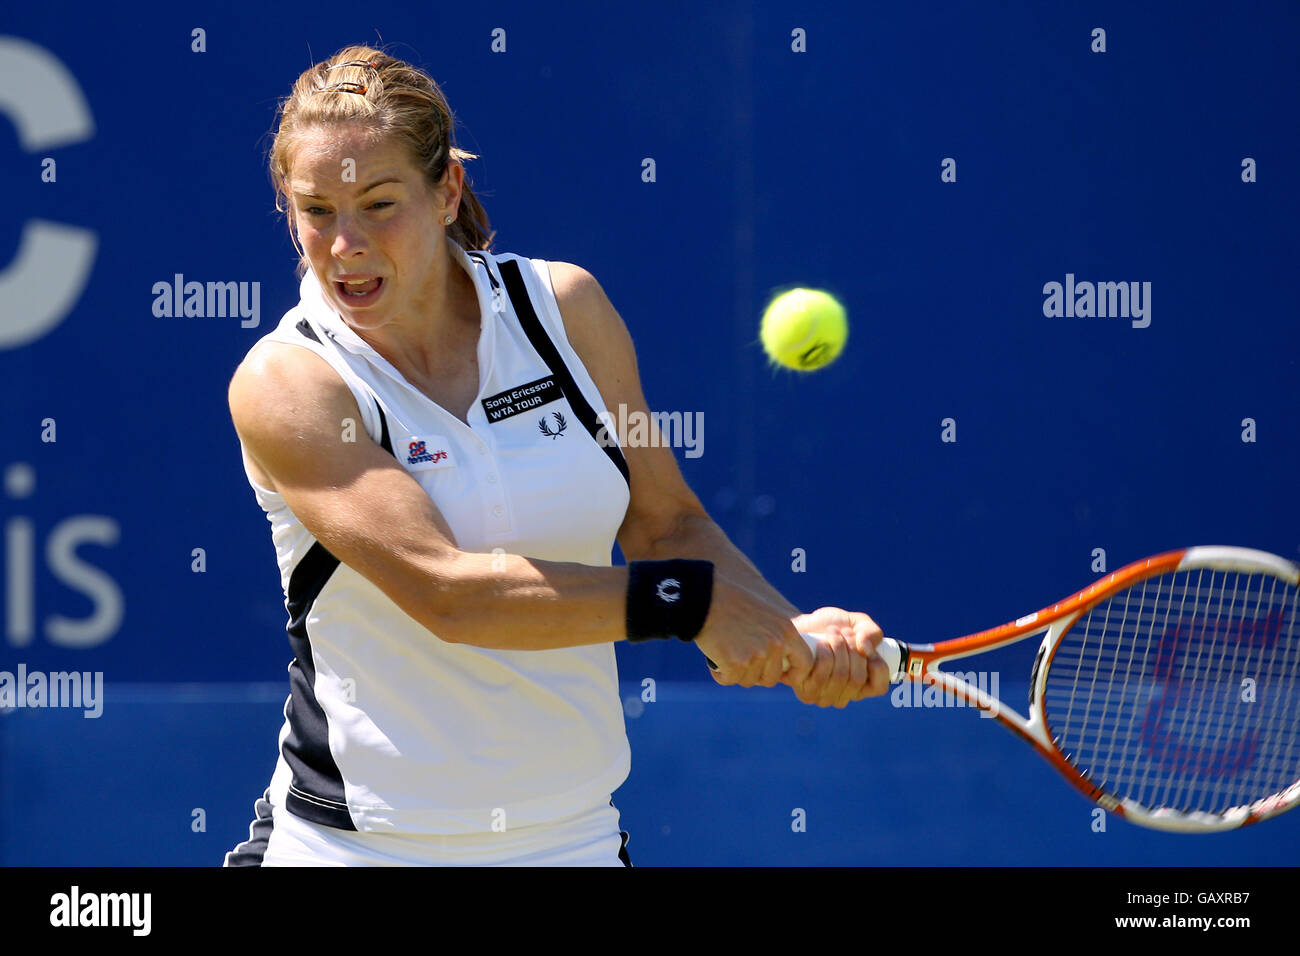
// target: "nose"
[[350, 239]]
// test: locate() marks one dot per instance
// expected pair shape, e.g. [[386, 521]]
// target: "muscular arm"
[[289, 408]]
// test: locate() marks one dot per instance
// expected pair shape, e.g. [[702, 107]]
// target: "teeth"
[[354, 287]]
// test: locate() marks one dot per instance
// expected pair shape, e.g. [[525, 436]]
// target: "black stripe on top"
[[316, 792], [549, 354], [480, 257], [305, 328], [384, 441]]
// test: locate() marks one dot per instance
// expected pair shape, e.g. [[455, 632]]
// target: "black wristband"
[[667, 599]]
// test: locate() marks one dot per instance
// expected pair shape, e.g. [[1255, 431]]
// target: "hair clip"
[[358, 88], [347, 87], [368, 64]]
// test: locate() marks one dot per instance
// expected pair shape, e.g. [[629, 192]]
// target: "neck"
[[429, 339]]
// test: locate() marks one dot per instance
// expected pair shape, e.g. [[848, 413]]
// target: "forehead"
[[320, 153]]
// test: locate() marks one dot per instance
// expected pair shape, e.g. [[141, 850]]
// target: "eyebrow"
[[360, 192]]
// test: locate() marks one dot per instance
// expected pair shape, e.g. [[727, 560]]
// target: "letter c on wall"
[[46, 278]]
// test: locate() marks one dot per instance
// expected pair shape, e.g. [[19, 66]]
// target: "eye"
[[314, 211], [382, 204]]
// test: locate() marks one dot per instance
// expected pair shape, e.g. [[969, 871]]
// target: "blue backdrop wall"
[[933, 164]]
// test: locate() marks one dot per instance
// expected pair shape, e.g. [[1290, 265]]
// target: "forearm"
[[698, 536], [509, 602]]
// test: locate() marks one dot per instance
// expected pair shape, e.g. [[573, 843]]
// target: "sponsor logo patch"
[[431, 452], [522, 398]]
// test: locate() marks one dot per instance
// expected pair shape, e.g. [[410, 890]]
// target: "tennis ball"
[[804, 329]]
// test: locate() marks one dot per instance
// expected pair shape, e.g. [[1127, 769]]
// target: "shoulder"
[[282, 366], [574, 285], [279, 384], [593, 326]]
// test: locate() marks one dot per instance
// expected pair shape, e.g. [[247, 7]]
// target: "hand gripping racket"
[[1168, 691]]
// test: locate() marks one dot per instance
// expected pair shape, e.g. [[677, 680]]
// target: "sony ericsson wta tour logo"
[[39, 288]]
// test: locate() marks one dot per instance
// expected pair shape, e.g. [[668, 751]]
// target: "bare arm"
[[289, 407]]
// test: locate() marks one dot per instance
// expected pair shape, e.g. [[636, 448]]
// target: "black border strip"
[[384, 442], [549, 354], [307, 746]]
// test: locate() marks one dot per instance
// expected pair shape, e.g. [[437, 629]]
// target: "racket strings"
[[1181, 692]]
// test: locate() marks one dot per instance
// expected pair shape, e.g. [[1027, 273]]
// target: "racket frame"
[[920, 663]]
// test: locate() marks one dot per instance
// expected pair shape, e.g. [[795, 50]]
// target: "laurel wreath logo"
[[559, 420]]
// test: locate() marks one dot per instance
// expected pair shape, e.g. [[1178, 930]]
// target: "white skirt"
[[587, 839]]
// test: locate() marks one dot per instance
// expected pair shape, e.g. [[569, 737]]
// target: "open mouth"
[[360, 293]]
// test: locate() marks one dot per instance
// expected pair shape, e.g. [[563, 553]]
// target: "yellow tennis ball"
[[804, 329]]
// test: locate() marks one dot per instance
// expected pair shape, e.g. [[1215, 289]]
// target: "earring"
[[447, 220]]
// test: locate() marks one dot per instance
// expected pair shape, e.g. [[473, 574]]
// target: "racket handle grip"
[[890, 651]]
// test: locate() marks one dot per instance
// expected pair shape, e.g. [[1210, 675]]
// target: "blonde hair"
[[395, 99]]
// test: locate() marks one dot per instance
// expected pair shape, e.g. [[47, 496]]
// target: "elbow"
[[451, 587], [428, 588]]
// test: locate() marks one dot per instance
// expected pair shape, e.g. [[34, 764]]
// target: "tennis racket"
[[1168, 691]]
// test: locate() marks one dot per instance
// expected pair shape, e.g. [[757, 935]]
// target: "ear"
[[451, 189]]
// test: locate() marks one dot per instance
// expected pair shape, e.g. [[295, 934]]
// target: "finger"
[[724, 672], [866, 634], [798, 658], [774, 665], [838, 678], [839, 684], [859, 671], [752, 674], [881, 676], [814, 687], [809, 690], [878, 678], [800, 655]]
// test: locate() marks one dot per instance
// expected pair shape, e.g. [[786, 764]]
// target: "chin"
[[365, 316], [367, 319]]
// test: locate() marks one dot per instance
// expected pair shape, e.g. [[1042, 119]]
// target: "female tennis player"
[[426, 432]]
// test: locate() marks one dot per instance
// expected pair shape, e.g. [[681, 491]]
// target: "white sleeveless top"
[[387, 728]]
